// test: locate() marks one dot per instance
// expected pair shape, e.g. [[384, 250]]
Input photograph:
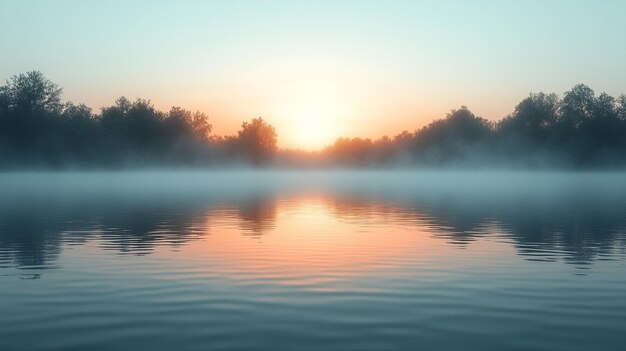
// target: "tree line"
[[580, 130], [38, 130]]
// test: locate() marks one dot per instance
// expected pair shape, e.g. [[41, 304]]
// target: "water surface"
[[312, 260]]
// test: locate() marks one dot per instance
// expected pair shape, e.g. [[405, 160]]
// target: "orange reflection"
[[315, 241]]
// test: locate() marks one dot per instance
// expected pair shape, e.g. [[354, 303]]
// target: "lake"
[[312, 260]]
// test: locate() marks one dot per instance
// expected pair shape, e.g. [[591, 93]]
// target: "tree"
[[603, 129], [620, 108], [457, 136], [459, 126], [31, 91], [258, 140], [184, 124], [201, 126], [577, 106], [29, 104], [532, 119], [76, 112], [112, 116]]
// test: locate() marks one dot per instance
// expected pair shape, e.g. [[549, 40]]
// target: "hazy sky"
[[318, 69]]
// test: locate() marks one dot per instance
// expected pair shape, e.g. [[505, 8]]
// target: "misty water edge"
[[319, 260]]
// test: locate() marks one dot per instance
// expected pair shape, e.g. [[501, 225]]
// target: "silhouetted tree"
[[621, 108], [81, 134], [461, 135], [183, 124], [577, 106], [603, 129], [37, 129], [258, 140], [527, 132], [533, 118], [29, 92], [201, 126], [28, 104], [590, 127]]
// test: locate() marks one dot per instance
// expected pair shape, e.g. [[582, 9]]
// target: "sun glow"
[[314, 123]]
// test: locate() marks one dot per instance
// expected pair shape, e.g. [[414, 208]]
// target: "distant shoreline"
[[579, 131]]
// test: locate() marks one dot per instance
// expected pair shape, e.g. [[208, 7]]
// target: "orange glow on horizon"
[[313, 124]]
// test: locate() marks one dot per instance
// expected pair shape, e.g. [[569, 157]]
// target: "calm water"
[[312, 261]]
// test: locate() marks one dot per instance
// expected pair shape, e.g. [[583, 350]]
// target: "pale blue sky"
[[360, 67]]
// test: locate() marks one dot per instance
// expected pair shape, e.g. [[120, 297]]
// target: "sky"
[[317, 70]]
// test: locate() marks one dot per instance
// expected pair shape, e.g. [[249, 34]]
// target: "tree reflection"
[[33, 232], [578, 232], [257, 216]]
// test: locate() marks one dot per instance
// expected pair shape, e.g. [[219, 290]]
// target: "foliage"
[[579, 130], [257, 139]]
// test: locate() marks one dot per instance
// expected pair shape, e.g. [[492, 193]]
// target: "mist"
[[321, 175]]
